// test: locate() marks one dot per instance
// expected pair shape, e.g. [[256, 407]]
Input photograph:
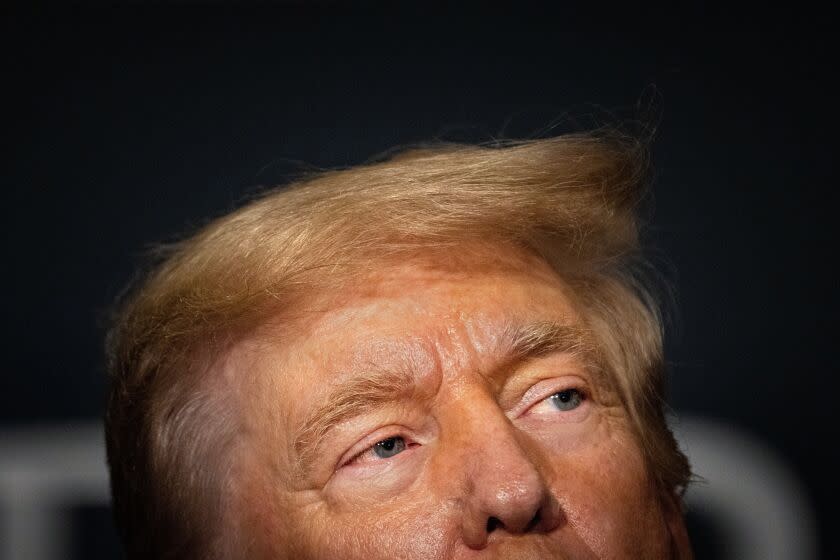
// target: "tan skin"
[[488, 455]]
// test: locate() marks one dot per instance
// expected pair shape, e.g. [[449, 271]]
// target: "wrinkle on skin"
[[447, 329]]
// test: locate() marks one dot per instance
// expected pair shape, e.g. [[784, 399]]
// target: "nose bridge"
[[501, 485], [496, 454]]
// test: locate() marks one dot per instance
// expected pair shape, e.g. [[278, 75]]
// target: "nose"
[[505, 492]]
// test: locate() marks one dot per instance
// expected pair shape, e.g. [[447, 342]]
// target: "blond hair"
[[572, 200]]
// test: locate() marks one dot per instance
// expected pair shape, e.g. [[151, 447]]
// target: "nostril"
[[534, 522], [494, 523]]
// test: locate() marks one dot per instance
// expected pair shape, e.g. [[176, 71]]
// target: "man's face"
[[432, 413]]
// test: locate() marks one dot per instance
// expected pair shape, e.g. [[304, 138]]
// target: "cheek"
[[410, 529], [610, 501]]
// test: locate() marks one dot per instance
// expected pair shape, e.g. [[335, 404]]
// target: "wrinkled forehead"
[[474, 301], [423, 316]]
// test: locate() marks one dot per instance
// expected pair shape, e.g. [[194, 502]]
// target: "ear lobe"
[[675, 519]]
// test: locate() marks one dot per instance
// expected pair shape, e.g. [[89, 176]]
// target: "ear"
[[675, 519]]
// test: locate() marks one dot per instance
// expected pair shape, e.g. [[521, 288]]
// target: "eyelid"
[[545, 388], [366, 444], [411, 421]]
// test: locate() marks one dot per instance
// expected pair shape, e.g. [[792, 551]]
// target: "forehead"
[[431, 302], [428, 316]]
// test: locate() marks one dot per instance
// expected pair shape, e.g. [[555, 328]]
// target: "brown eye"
[[389, 447], [569, 399]]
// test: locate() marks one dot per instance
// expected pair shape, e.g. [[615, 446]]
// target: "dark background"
[[127, 126]]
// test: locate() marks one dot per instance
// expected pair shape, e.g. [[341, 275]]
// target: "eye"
[[388, 447], [566, 405], [568, 399], [382, 449]]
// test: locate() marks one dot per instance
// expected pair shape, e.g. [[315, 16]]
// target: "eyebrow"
[[353, 398], [377, 386], [537, 339]]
